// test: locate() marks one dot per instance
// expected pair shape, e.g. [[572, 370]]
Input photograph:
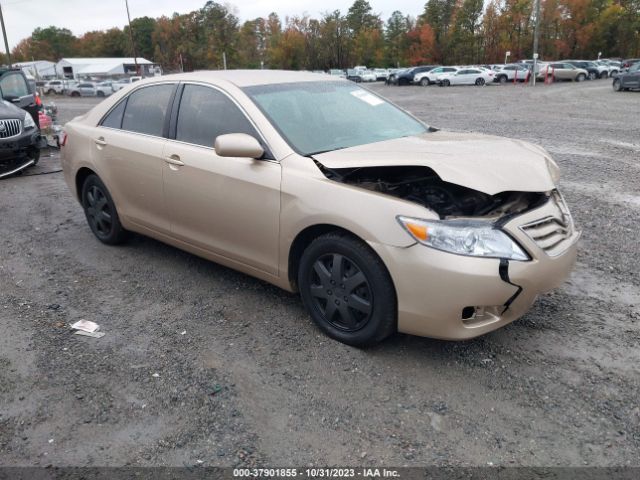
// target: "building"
[[106, 67], [38, 69]]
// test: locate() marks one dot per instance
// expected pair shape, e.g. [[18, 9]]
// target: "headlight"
[[28, 121], [463, 237]]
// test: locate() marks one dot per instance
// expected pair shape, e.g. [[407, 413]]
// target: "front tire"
[[445, 83], [347, 290], [480, 82], [502, 79], [617, 85], [425, 82], [101, 212], [581, 78]]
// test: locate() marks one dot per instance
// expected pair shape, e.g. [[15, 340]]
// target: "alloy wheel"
[[98, 211], [341, 292]]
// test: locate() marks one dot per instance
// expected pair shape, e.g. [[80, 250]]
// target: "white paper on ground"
[[86, 326]]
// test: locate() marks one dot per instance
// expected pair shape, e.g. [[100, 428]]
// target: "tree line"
[[446, 32]]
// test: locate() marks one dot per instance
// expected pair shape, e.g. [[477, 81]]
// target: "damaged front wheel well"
[[303, 240]]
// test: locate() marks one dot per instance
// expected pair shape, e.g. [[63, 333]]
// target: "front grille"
[[551, 232], [10, 128]]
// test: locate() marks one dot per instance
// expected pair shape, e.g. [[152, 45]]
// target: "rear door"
[[128, 148], [15, 89]]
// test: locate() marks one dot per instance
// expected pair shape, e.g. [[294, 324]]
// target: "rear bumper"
[[455, 297]]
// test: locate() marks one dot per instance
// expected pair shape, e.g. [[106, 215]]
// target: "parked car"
[[368, 76], [381, 74], [604, 69], [564, 71], [405, 77], [104, 89], [20, 140], [429, 78], [466, 76], [54, 86], [629, 80], [82, 89], [513, 72], [124, 82], [626, 64], [354, 75], [614, 67], [436, 244], [337, 73], [592, 69]]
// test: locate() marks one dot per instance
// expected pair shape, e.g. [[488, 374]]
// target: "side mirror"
[[239, 145]]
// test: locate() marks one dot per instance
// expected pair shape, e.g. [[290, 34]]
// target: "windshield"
[[316, 117]]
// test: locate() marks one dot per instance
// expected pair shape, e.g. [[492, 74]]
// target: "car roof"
[[247, 78]]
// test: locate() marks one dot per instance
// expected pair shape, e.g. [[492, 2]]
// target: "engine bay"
[[424, 187]]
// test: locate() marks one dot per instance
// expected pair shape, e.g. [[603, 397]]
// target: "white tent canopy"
[[72, 67]]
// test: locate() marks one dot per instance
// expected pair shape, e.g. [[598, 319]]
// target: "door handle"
[[100, 142], [174, 160]]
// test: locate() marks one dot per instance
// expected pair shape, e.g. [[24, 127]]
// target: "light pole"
[[4, 34], [536, 33], [133, 44]]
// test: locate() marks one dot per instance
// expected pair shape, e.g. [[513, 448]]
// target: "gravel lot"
[[252, 381]]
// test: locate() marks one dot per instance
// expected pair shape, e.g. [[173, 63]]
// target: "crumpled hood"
[[485, 163]]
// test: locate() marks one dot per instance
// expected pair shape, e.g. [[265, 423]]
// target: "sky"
[[23, 16]]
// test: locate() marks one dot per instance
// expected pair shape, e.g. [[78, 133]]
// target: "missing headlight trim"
[[424, 187]]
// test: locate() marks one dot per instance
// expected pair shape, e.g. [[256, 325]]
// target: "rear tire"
[[101, 212], [100, 93], [347, 290], [445, 83], [581, 77], [75, 94], [604, 75], [502, 79]]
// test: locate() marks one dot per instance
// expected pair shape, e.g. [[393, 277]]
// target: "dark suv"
[[405, 77], [590, 67], [629, 80], [20, 139]]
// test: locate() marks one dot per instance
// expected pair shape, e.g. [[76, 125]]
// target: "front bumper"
[[455, 297], [18, 153]]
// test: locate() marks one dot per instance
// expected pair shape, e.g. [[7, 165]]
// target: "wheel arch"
[[81, 176], [304, 238]]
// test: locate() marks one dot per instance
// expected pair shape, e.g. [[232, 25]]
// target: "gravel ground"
[[204, 364]]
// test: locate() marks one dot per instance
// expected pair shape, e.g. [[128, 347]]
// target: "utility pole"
[[536, 33], [133, 44], [4, 33]]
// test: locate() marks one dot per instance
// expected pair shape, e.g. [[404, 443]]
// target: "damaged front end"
[[423, 186]]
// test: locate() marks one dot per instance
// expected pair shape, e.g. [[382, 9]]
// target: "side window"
[[114, 119], [206, 113], [14, 86], [146, 110]]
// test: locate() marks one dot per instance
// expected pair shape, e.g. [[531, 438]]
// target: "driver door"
[[227, 206]]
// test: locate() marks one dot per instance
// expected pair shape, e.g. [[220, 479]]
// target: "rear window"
[[146, 110]]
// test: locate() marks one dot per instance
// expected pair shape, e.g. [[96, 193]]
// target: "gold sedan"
[[317, 185]]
